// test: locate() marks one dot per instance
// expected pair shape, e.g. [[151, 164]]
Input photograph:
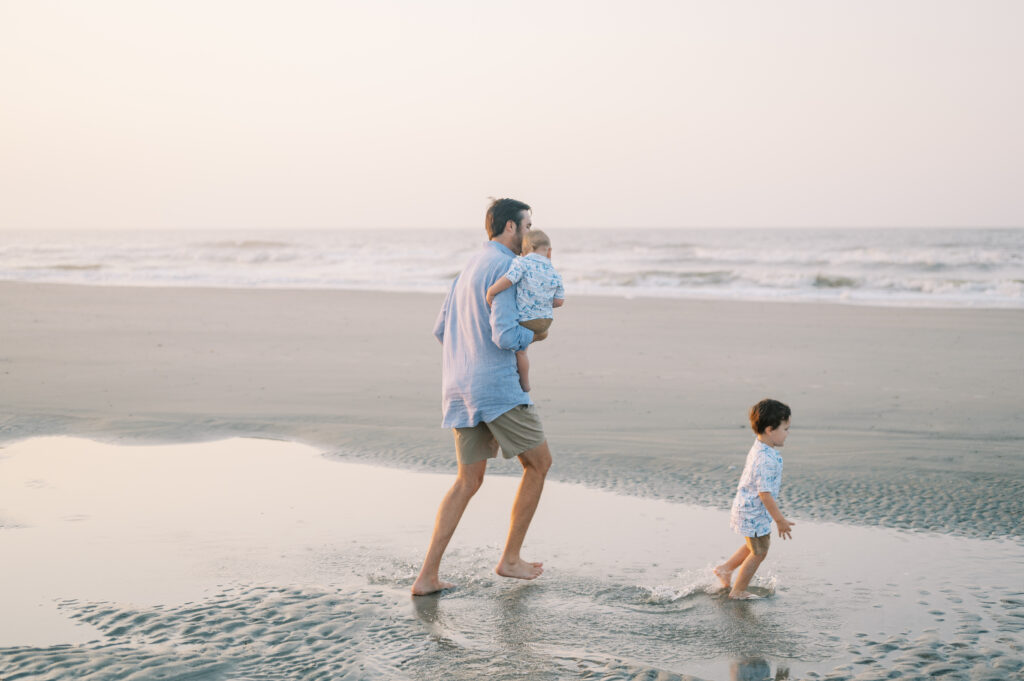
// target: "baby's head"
[[770, 420], [536, 241]]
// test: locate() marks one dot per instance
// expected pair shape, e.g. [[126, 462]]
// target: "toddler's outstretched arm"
[[557, 302], [785, 526], [497, 287]]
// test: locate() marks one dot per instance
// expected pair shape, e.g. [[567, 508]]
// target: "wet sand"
[[248, 559], [903, 418]]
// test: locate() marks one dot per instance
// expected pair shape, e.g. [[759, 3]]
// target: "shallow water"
[[251, 559]]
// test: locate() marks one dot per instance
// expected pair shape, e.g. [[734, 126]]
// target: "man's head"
[[770, 420], [507, 220], [536, 241]]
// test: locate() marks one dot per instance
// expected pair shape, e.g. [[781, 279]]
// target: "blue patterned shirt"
[[537, 283], [479, 378], [761, 473]]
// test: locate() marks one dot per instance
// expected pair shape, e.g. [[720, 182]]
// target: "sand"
[[289, 557], [256, 559], [904, 418]]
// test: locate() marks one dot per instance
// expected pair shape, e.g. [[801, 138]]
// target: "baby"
[[539, 290]]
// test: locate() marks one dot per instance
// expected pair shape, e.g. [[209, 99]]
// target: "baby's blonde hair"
[[534, 239]]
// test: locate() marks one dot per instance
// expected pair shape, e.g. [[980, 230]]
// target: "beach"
[[902, 417], [154, 540]]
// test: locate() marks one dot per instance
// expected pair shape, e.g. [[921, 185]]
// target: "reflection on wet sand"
[[307, 567]]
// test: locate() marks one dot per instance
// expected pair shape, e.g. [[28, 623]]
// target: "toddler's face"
[[776, 437]]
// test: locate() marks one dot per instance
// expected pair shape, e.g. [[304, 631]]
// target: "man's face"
[[524, 224]]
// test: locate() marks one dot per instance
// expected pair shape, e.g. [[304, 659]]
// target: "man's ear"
[[511, 224]]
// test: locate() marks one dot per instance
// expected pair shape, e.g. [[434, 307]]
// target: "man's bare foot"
[[422, 587], [744, 596], [519, 570], [724, 576]]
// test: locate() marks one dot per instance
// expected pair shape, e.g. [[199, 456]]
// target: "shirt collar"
[[536, 256], [767, 448], [501, 247]]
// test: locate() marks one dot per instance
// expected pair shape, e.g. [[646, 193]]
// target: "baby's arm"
[[497, 287], [559, 299], [785, 527]]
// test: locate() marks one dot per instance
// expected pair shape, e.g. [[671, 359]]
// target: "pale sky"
[[254, 114]]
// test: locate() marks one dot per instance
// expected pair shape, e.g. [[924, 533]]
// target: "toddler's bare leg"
[[725, 570], [523, 364], [745, 574]]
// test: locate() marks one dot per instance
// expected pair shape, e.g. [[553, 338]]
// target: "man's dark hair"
[[500, 212], [768, 414]]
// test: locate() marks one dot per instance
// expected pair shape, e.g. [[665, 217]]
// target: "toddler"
[[539, 290], [754, 506]]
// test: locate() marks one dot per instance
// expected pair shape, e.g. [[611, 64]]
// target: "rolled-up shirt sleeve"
[[506, 331], [559, 287]]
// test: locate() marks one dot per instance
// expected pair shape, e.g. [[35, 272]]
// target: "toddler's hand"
[[785, 528]]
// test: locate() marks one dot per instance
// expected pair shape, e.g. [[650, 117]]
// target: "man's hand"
[[490, 298], [785, 528]]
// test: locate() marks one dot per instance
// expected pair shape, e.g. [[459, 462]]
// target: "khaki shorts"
[[759, 545], [516, 431], [537, 325]]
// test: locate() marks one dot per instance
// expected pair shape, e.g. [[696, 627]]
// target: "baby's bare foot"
[[519, 569], [422, 586], [724, 575]]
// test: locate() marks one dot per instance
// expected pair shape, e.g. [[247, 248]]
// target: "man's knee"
[[537, 459], [469, 481]]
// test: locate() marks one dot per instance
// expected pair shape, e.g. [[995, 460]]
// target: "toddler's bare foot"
[[423, 586], [744, 596], [519, 569], [724, 575]]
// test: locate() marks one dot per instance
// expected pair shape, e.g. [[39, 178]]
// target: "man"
[[482, 400]]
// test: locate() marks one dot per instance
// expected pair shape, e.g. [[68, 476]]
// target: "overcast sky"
[[254, 114]]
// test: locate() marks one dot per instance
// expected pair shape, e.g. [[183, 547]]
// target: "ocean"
[[977, 268]]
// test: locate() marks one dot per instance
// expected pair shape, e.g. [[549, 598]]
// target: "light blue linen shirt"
[[761, 473], [537, 284], [479, 378]]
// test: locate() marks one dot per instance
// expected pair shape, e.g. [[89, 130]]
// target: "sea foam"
[[918, 268]]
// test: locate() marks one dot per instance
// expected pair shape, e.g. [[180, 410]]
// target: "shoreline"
[[626, 296], [902, 417]]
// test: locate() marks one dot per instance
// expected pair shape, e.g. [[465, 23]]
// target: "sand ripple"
[[241, 633]]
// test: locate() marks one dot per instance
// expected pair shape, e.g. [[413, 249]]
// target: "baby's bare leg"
[[523, 364]]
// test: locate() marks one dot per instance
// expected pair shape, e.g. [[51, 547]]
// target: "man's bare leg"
[[523, 365], [536, 463], [725, 570], [467, 482]]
